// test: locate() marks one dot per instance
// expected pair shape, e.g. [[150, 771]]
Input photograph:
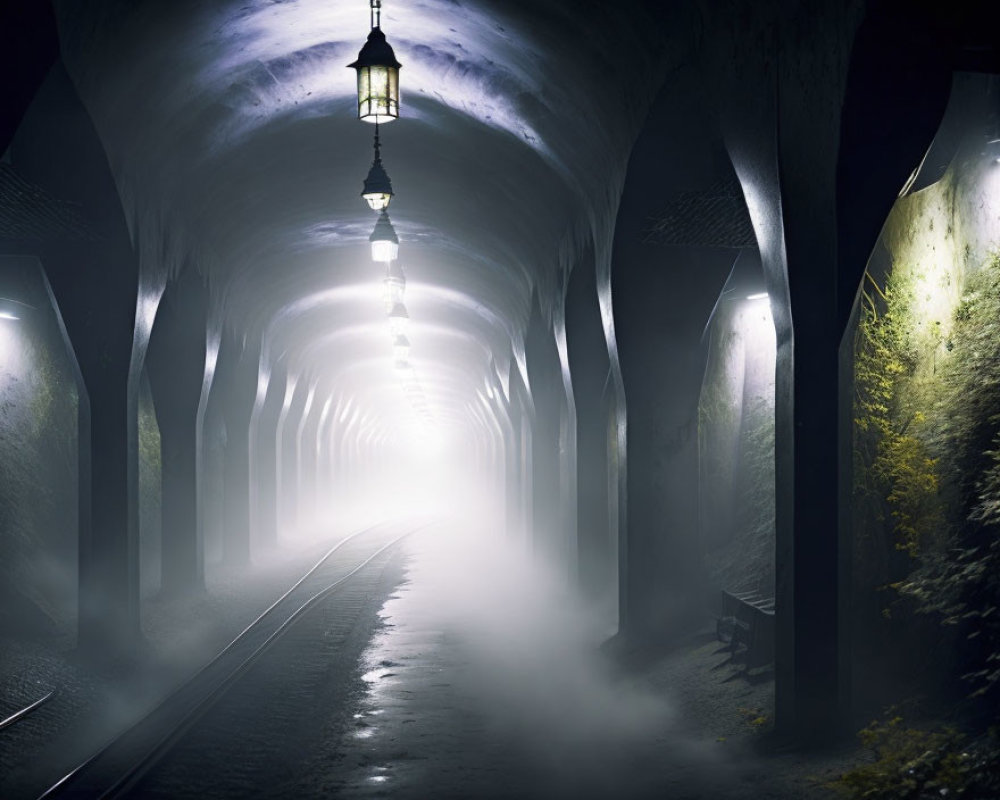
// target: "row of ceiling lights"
[[378, 102]]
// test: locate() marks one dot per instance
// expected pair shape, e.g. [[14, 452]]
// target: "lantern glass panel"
[[378, 93], [384, 251], [393, 291], [377, 200], [398, 326]]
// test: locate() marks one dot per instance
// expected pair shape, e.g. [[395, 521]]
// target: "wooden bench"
[[747, 620]]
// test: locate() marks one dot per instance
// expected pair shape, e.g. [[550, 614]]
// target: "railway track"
[[24, 712], [118, 766]]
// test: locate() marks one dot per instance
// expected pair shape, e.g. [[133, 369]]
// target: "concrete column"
[[544, 383], [822, 137], [522, 412], [590, 371], [236, 379], [94, 277], [305, 437], [264, 456], [296, 395], [176, 368], [662, 297], [324, 459]]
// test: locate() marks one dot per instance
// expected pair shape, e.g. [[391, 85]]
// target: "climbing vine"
[[897, 506], [960, 582]]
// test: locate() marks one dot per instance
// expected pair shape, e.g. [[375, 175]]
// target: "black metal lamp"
[[378, 74]]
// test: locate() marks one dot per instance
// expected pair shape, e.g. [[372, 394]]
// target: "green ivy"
[[895, 476], [919, 764], [959, 582]]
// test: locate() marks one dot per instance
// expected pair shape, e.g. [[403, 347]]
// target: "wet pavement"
[[486, 681], [458, 667]]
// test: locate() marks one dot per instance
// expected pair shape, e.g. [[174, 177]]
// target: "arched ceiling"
[[231, 128]]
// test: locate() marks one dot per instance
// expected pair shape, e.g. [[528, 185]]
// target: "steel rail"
[[155, 753], [18, 715]]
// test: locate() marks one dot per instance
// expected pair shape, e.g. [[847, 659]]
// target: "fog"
[[487, 643]]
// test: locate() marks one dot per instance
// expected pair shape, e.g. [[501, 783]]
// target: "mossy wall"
[[927, 408], [736, 448], [39, 447], [150, 520], [38, 460]]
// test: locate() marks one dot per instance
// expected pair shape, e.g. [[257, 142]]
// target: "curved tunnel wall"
[[163, 175]]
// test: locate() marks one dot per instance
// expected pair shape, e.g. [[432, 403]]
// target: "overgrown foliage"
[[918, 764], [895, 476], [960, 583], [927, 519], [968, 409], [962, 588]]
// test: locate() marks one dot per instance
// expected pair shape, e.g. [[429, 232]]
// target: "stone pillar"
[[93, 272], [590, 372], [176, 368], [236, 379], [296, 394], [544, 383], [264, 457]]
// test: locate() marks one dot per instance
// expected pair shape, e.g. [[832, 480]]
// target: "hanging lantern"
[[393, 286], [399, 321], [385, 243], [378, 74], [401, 349], [377, 190]]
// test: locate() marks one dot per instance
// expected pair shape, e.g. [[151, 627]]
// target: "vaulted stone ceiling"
[[231, 130]]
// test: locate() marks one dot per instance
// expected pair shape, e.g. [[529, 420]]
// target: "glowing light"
[[385, 243], [399, 321], [393, 286], [401, 348], [757, 296], [377, 190], [8, 315], [993, 146], [378, 74]]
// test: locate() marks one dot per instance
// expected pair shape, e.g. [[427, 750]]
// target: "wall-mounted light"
[[378, 74], [393, 286], [377, 190], [385, 243], [993, 149], [14, 310], [399, 321]]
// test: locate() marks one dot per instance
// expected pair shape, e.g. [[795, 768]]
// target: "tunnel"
[[499, 399]]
